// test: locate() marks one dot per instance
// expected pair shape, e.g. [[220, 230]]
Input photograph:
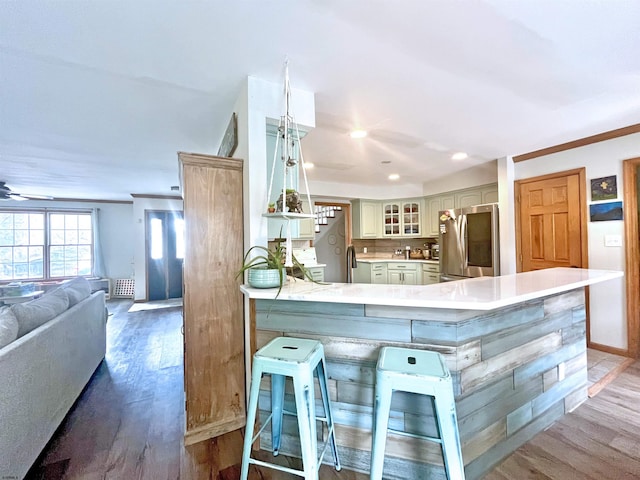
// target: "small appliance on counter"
[[435, 251]]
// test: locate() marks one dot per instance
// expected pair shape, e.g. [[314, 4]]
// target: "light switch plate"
[[612, 241]]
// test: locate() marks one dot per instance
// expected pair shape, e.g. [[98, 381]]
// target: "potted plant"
[[267, 270], [271, 207], [292, 202]]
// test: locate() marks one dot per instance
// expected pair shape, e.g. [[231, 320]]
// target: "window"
[[43, 245], [21, 245], [178, 224]]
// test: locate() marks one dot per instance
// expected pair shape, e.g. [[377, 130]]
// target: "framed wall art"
[[603, 212], [604, 188]]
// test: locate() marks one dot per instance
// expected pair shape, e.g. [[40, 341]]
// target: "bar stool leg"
[[448, 425], [324, 382], [277, 405], [382, 407], [254, 394], [305, 406]]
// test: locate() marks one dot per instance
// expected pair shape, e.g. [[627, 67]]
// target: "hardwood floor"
[[598, 440], [603, 368], [128, 424]]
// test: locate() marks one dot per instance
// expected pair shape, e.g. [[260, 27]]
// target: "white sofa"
[[44, 371]]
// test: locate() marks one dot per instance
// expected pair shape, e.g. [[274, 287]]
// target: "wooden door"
[[214, 375], [551, 221], [631, 192]]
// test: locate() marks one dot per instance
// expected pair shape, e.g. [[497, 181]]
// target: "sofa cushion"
[[77, 290], [8, 326], [32, 314]]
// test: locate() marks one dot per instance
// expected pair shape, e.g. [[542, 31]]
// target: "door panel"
[[550, 219], [175, 256], [156, 278], [165, 252]]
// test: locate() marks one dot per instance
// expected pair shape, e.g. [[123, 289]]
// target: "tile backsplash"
[[389, 245]]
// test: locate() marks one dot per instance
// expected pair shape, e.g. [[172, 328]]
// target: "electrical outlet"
[[612, 241]]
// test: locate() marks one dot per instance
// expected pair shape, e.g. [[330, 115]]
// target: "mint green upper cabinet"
[[434, 205], [490, 194], [366, 218], [467, 198], [306, 226], [402, 218], [477, 196]]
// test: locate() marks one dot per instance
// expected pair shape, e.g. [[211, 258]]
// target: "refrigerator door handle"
[[464, 240]]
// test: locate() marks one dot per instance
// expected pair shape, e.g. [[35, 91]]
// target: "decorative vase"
[[265, 277]]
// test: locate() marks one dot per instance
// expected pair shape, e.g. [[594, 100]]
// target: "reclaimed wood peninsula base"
[[518, 360]]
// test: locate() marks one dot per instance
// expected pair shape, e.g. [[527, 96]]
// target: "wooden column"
[[214, 369]]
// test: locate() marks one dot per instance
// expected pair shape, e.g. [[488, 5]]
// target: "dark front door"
[[165, 253]]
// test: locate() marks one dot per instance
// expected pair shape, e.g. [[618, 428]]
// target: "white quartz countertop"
[[486, 293]]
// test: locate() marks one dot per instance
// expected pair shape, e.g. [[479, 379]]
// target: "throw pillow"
[[37, 312], [77, 290], [8, 327]]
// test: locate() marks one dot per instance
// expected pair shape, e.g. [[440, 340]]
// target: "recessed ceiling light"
[[459, 156], [308, 165], [358, 134], [394, 176]]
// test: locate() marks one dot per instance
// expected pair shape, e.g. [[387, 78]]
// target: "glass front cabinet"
[[401, 218]]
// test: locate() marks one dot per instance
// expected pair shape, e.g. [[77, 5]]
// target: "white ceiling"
[[96, 97]]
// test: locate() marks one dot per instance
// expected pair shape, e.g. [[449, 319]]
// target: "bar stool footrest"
[[415, 435], [275, 466]]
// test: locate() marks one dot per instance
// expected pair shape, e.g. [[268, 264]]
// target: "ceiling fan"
[[7, 194]]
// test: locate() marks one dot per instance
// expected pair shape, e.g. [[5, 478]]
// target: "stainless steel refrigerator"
[[469, 242]]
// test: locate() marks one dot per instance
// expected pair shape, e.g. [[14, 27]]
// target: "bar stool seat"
[[422, 372], [300, 359]]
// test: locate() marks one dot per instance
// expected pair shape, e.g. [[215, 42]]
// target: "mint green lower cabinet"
[[404, 273], [430, 273], [317, 273], [504, 364], [370, 272], [362, 273], [379, 273]]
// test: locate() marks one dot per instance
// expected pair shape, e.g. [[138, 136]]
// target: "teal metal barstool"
[[422, 372], [297, 358]]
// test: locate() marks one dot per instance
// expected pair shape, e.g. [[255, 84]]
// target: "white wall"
[[468, 178], [331, 247], [137, 237], [607, 300], [116, 230], [347, 191]]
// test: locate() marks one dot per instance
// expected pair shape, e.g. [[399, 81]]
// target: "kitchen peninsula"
[[515, 346]]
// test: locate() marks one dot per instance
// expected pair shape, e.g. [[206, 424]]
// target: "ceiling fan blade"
[[16, 196], [7, 194], [29, 196]]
